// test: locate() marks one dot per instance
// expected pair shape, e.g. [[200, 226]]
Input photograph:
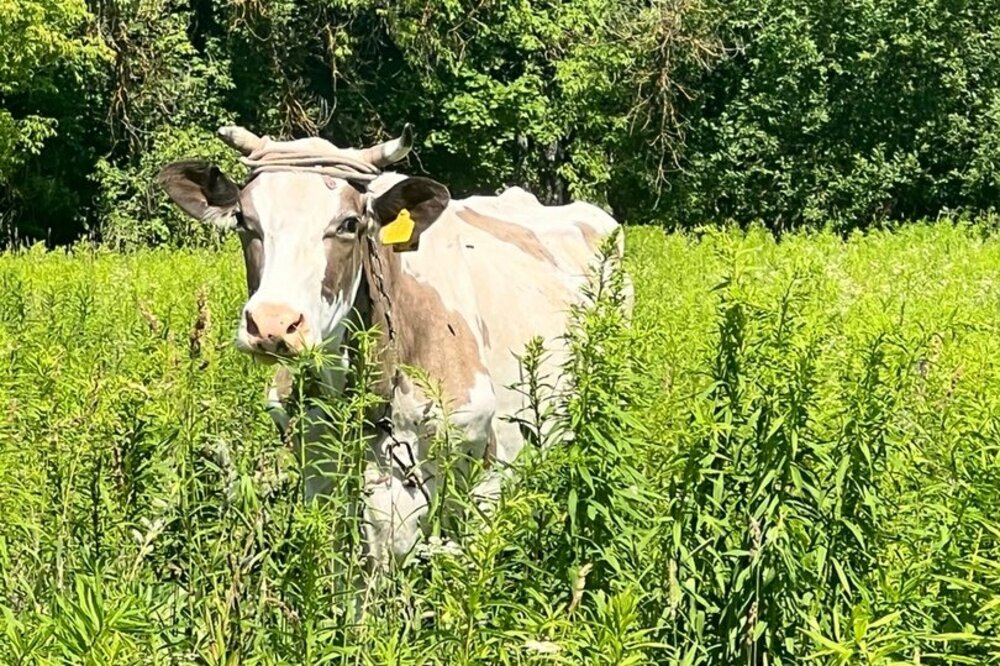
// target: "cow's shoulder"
[[434, 308]]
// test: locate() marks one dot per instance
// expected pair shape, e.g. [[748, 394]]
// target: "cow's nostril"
[[295, 325], [252, 328]]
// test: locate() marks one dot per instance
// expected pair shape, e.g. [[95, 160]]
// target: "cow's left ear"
[[404, 211]]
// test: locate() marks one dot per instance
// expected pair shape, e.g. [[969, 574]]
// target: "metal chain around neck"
[[378, 278]]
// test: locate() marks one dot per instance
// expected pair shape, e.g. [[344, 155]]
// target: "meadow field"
[[791, 455]]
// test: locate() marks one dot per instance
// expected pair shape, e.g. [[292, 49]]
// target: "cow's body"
[[492, 273], [481, 278]]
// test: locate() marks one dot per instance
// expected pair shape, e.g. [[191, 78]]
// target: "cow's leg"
[[277, 393], [312, 444], [505, 441], [473, 469]]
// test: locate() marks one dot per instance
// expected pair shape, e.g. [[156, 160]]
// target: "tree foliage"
[[681, 111], [849, 112], [45, 58]]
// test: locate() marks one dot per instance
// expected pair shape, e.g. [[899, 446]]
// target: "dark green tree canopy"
[[681, 112]]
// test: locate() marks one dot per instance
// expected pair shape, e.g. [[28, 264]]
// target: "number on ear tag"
[[398, 231]]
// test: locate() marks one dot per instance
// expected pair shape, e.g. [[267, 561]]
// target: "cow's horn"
[[239, 138], [389, 152]]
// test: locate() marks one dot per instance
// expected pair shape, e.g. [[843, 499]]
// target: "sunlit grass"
[[792, 453]]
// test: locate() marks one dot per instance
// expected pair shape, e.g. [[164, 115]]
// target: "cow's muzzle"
[[272, 328]]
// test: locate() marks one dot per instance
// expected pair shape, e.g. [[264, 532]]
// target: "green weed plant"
[[789, 455]]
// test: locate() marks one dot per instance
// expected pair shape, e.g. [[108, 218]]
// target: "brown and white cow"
[[456, 287]]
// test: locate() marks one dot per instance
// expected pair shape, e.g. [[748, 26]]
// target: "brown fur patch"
[[343, 260], [253, 257], [428, 334], [590, 236], [434, 338], [522, 238], [253, 247], [343, 255]]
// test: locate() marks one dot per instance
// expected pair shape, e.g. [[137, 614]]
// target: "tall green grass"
[[791, 455]]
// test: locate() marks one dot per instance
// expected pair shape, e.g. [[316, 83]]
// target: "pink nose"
[[276, 328]]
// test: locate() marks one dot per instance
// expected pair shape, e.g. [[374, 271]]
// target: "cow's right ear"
[[202, 191]]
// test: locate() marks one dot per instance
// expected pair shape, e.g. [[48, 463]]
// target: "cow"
[[455, 288]]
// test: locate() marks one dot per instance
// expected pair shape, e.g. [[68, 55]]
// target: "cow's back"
[[525, 264]]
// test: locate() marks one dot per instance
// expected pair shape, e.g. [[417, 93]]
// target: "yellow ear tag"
[[398, 231]]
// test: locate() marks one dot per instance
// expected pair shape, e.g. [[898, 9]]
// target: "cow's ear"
[[407, 209], [202, 191]]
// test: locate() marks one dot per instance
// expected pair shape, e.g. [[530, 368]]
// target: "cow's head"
[[304, 218]]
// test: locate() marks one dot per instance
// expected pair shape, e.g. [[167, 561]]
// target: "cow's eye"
[[349, 226]]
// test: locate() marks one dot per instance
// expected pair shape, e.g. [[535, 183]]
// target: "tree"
[[44, 51]]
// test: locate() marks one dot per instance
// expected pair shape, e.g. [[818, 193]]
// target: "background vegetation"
[[799, 464], [791, 112]]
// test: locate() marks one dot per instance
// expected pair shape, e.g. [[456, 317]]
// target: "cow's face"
[[304, 236]]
